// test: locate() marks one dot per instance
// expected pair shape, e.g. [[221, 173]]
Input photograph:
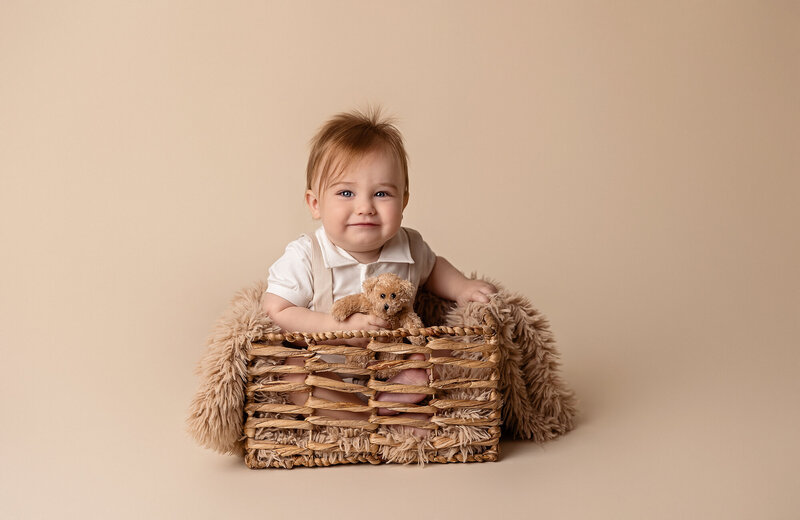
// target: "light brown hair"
[[349, 136]]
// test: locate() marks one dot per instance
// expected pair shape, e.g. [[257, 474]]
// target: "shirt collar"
[[396, 250]]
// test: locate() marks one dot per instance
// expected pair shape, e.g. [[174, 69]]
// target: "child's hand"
[[475, 291], [361, 321]]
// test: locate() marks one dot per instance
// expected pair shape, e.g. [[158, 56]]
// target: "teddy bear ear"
[[369, 284], [407, 288]]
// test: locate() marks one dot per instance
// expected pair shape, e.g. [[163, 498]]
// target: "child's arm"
[[447, 282], [290, 317]]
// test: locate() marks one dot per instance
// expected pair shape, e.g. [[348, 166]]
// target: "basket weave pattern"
[[462, 398]]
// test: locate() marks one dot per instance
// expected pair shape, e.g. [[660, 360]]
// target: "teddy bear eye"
[[393, 296], [383, 296]]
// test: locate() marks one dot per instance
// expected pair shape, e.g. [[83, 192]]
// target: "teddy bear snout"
[[386, 306]]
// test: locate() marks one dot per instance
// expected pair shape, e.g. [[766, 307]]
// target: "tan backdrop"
[[632, 167]]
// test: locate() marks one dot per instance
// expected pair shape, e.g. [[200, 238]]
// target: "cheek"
[[394, 209], [334, 211]]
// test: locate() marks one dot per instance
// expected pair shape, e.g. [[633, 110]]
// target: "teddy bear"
[[386, 296], [391, 298]]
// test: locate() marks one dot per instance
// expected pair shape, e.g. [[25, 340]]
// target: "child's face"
[[363, 208]]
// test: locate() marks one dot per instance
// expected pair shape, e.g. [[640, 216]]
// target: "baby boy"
[[357, 186]]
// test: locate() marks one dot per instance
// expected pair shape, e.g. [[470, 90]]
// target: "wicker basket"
[[464, 402]]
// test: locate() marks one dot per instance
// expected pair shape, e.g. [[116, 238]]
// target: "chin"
[[365, 248]]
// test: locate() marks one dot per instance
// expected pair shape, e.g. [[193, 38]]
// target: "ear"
[[407, 288], [405, 200], [313, 204], [369, 284]]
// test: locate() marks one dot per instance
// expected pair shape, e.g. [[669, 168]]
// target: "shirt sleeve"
[[290, 276], [424, 257]]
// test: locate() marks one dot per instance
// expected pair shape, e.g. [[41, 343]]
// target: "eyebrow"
[[349, 184]]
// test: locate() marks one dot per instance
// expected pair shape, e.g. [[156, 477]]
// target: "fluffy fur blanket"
[[537, 405]]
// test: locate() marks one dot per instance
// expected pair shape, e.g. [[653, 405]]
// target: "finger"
[[380, 323], [487, 288], [479, 297], [488, 291]]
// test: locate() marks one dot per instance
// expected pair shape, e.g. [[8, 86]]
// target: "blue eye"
[[382, 194], [346, 193]]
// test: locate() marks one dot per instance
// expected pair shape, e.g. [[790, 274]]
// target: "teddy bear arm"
[[345, 307], [411, 321]]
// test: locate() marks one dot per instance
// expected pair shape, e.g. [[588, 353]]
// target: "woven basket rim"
[[487, 329]]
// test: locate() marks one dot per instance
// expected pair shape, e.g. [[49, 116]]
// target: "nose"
[[365, 206]]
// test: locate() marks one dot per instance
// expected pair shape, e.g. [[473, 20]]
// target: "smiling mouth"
[[364, 225]]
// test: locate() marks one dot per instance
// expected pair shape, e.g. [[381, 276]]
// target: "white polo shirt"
[[290, 276]]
